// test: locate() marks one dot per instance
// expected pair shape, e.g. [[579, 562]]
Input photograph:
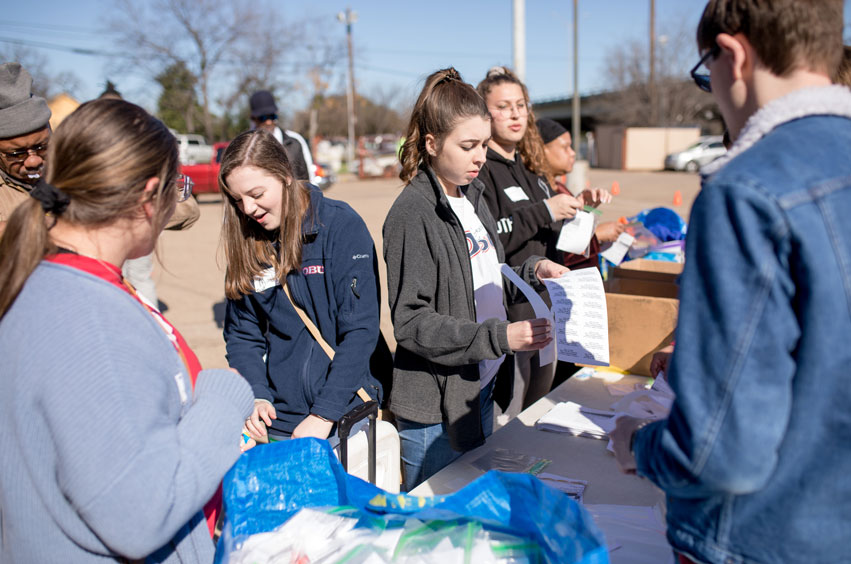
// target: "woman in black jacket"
[[528, 211]]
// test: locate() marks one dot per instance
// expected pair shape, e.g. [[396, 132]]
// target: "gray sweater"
[[107, 452], [430, 289]]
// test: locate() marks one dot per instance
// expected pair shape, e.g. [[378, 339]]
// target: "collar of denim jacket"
[[822, 100]]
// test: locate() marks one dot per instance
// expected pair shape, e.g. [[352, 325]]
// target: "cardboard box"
[[642, 277], [641, 298]]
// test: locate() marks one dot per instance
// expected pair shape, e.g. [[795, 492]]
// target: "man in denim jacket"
[[755, 457]]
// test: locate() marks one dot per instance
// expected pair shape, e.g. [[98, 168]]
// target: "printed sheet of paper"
[[576, 233], [581, 319], [547, 354]]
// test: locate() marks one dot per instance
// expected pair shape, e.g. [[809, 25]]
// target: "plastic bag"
[[664, 223], [269, 484]]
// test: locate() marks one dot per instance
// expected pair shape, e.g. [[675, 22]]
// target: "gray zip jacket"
[[430, 289]]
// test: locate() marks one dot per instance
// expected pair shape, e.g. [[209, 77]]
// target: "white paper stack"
[[570, 417]]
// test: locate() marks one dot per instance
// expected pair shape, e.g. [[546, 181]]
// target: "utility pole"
[[348, 18], [576, 118], [651, 81], [519, 34]]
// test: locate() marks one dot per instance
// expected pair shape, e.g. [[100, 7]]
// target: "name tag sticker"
[[515, 193], [266, 280]]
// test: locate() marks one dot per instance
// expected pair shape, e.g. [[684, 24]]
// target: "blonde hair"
[[101, 156], [445, 99], [531, 146], [249, 249]]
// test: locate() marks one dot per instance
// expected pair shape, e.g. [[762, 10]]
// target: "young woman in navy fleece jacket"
[[280, 231]]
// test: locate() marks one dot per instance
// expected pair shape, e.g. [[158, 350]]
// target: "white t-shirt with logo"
[[487, 278]]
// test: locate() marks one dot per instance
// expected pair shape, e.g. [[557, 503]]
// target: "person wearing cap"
[[24, 135], [264, 115], [559, 158]]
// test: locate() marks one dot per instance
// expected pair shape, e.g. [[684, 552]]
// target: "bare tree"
[[202, 35], [45, 83], [678, 101], [230, 48]]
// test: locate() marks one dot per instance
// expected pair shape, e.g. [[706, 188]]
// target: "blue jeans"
[[425, 447]]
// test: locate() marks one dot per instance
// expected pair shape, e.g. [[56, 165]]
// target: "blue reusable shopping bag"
[[270, 483]]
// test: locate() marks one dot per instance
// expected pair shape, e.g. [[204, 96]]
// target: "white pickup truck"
[[193, 148]]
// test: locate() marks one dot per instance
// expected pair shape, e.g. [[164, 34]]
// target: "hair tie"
[[496, 71], [451, 74], [53, 200]]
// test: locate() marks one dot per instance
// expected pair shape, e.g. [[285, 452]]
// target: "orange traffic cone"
[[616, 188], [623, 220], [678, 198]]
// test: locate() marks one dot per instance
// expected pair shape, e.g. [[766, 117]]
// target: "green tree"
[[178, 104]]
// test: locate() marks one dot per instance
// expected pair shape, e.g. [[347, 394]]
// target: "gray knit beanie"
[[20, 111]]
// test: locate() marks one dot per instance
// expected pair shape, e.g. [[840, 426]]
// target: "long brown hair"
[[531, 146], [101, 156], [249, 249], [444, 100]]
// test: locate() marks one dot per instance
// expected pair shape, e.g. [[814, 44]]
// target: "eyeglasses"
[[20, 155], [703, 79], [522, 109], [266, 117], [184, 187]]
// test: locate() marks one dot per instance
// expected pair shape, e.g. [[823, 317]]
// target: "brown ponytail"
[[100, 156], [444, 100], [531, 147]]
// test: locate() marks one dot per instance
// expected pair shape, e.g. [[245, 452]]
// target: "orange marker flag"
[[678, 198]]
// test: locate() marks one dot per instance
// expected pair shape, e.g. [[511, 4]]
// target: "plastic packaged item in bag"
[[267, 486], [644, 240]]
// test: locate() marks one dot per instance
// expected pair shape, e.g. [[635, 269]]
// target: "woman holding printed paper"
[[291, 252], [528, 212], [444, 285]]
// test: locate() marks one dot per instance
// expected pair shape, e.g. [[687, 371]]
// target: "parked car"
[[705, 150], [193, 148], [323, 176], [206, 175]]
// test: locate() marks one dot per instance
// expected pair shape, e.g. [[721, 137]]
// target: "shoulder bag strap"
[[314, 330]]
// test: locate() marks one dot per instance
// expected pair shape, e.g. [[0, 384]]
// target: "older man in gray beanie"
[[24, 134]]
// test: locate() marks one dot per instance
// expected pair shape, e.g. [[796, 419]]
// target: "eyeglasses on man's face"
[[184, 187], [20, 155], [703, 79]]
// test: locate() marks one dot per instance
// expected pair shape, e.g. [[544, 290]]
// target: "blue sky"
[[397, 42]]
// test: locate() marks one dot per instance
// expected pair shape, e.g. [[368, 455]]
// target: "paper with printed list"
[[547, 355], [581, 319]]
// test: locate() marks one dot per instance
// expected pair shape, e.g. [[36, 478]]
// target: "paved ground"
[[190, 273]]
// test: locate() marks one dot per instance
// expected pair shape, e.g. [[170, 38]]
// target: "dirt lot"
[[190, 278]]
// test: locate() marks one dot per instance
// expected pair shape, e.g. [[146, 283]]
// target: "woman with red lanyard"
[[113, 438]]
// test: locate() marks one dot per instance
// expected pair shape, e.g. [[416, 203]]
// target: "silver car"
[[705, 150]]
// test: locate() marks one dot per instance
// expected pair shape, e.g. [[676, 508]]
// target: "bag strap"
[[314, 330], [309, 324]]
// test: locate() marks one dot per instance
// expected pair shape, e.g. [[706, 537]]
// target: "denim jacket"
[[755, 457]]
